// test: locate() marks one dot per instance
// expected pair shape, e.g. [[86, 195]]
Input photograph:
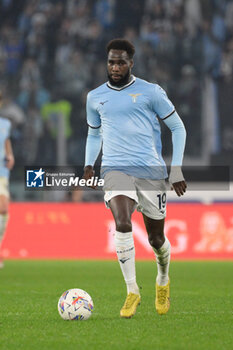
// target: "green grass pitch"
[[200, 316]]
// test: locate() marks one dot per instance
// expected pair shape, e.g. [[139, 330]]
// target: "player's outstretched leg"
[[162, 300], [161, 247]]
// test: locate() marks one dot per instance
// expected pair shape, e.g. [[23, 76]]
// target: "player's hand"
[[10, 161], [177, 180], [179, 188], [89, 172]]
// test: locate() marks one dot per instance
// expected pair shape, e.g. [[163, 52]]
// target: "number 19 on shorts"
[[162, 200]]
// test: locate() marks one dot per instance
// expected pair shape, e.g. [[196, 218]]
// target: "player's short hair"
[[121, 44]]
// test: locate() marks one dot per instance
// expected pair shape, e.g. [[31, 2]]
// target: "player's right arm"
[[94, 138], [10, 160], [9, 154]]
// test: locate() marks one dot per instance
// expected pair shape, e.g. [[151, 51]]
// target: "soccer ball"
[[75, 304]]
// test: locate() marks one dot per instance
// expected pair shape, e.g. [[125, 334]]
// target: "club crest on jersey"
[[134, 97]]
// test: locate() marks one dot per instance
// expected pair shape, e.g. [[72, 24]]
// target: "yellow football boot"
[[162, 300], [130, 305]]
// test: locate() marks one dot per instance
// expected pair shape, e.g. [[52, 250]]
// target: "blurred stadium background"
[[53, 52]]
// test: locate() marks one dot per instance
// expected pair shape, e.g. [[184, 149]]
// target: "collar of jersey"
[[122, 87]]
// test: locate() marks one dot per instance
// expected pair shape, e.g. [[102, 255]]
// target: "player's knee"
[[156, 240], [4, 210], [4, 204], [123, 225]]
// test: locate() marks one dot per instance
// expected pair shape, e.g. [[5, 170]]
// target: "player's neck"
[[127, 83]]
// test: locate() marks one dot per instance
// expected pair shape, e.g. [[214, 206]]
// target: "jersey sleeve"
[[93, 117], [8, 129], [162, 106]]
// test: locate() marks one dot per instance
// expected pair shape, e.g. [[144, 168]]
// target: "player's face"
[[119, 67]]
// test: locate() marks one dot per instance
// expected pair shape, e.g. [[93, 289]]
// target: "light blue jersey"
[[5, 126], [130, 128]]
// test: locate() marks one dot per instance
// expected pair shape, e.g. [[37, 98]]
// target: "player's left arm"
[[176, 178], [10, 160], [166, 111]]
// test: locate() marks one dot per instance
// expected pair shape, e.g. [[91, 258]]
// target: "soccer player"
[[123, 114], [6, 164]]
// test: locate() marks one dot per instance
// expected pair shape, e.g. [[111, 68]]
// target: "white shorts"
[[150, 195], [4, 186]]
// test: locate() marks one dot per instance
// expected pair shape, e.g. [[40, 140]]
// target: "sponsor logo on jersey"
[[102, 103]]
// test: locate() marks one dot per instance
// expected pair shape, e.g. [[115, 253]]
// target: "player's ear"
[[131, 63]]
